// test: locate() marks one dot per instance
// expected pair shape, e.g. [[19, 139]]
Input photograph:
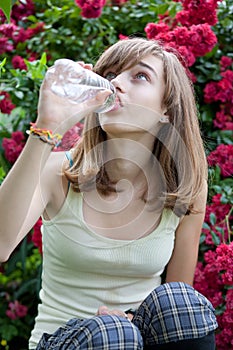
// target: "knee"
[[181, 299], [111, 333], [176, 311]]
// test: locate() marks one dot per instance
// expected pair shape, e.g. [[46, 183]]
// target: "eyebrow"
[[143, 64]]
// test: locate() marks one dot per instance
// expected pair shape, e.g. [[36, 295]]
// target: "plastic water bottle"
[[78, 84]]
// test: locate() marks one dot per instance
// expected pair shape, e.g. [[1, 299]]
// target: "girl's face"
[[139, 91]]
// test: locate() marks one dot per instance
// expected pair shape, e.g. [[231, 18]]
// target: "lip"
[[118, 104]]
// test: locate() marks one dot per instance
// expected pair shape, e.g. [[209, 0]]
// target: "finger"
[[85, 65], [129, 316], [88, 66], [96, 102], [102, 95], [103, 310], [117, 312], [82, 63]]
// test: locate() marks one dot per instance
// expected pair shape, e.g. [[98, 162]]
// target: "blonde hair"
[[178, 146]]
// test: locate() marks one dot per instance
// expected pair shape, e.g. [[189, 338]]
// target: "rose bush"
[[38, 33]]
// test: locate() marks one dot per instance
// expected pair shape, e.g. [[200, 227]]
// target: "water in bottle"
[[78, 84]]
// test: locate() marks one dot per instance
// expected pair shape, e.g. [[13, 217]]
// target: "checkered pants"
[[173, 312]]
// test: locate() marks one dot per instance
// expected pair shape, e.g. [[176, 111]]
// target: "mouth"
[[118, 104]]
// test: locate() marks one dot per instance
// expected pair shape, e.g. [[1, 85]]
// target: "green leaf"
[[19, 94], [23, 252], [2, 64], [215, 238], [25, 287], [205, 226], [212, 218], [2, 174], [43, 59], [217, 188], [202, 239], [6, 7], [220, 310], [36, 69], [221, 230], [8, 331]]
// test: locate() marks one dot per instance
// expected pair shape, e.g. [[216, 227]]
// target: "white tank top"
[[83, 270]]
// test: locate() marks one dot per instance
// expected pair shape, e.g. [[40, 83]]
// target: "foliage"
[[6, 7], [19, 280], [42, 31]]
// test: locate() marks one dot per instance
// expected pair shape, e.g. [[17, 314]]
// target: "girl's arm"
[[28, 187], [24, 195], [182, 264]]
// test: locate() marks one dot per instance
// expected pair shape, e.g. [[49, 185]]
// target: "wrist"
[[45, 135], [47, 125]]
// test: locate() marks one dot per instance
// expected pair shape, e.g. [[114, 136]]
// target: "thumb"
[[102, 95], [96, 102]]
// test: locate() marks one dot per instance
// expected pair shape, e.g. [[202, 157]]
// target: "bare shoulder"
[[199, 204]]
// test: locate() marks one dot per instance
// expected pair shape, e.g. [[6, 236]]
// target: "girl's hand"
[[104, 310], [58, 113]]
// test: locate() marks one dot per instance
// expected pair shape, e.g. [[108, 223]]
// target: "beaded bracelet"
[[45, 135]]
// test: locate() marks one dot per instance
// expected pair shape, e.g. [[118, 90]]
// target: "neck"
[[128, 158]]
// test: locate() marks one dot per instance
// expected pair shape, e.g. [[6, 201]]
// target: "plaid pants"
[[173, 312]]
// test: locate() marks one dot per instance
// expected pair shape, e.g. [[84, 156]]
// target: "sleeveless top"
[[83, 270]]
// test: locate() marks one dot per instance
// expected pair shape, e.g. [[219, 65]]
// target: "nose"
[[119, 82]]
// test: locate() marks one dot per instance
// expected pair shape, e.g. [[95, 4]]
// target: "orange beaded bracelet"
[[45, 135]]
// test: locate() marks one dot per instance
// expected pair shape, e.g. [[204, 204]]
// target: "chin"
[[121, 129], [115, 127], [125, 125]]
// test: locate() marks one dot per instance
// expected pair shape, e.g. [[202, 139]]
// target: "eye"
[[110, 75], [142, 76]]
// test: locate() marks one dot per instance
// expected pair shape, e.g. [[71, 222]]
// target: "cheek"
[[157, 99], [146, 117], [151, 97], [151, 103]]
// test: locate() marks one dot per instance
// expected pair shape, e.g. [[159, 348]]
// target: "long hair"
[[178, 147]]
